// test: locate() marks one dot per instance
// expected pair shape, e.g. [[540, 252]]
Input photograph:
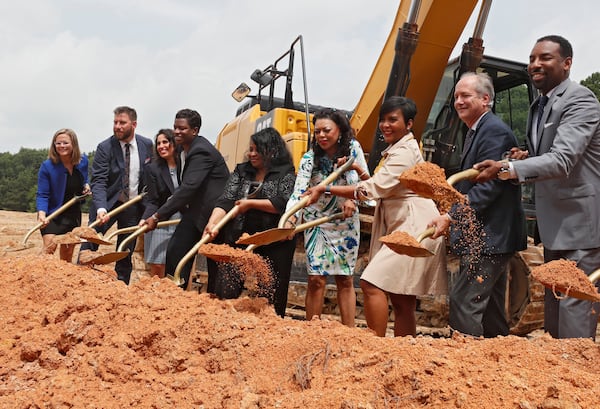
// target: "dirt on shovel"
[[563, 276], [403, 243], [429, 180]]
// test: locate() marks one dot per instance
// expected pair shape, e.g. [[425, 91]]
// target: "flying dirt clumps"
[[564, 276]]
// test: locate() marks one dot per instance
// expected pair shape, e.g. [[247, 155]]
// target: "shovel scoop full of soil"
[[429, 180], [403, 243], [565, 277]]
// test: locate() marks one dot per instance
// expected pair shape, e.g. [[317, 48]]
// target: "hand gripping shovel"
[[121, 251], [51, 216], [206, 238], [403, 243], [89, 234], [227, 254], [281, 232]]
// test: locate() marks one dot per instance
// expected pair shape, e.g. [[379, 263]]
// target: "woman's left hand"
[[243, 205], [314, 192], [86, 190], [349, 207]]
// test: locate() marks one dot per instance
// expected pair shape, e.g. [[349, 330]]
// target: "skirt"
[[155, 243]]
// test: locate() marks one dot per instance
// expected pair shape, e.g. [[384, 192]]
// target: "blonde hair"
[[75, 155]]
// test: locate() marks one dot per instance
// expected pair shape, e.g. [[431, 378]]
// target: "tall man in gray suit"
[[564, 162]]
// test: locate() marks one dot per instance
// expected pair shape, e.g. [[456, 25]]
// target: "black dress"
[[277, 186], [70, 218]]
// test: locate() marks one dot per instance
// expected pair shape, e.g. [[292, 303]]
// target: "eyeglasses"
[[61, 143]]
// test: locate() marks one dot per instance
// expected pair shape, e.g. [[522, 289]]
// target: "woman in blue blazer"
[[61, 177]]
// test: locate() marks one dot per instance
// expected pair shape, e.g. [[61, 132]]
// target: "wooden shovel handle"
[[119, 209]]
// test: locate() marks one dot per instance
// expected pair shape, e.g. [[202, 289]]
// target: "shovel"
[[51, 216], [280, 232], [206, 238], [409, 249], [226, 258], [590, 293], [121, 252], [97, 238]]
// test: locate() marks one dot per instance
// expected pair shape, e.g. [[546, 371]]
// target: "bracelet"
[[364, 173], [328, 190]]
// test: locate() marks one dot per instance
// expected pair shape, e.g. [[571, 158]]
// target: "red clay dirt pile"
[[72, 336]]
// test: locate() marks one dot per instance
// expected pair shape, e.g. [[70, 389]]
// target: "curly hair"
[[346, 134], [271, 146], [168, 133]]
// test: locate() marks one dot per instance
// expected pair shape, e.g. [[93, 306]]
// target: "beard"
[[125, 135]]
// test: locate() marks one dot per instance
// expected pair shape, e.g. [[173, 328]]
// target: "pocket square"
[[546, 125]]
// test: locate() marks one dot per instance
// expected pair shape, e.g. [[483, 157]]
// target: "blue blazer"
[[108, 168], [497, 204], [52, 182]]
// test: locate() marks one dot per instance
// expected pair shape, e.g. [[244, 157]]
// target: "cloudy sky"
[[69, 63]]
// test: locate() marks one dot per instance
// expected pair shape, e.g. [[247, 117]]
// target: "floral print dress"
[[332, 247]]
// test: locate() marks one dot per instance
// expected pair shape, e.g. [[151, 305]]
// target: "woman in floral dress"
[[332, 247]]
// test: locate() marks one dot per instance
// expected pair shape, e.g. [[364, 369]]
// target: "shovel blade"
[[266, 237]]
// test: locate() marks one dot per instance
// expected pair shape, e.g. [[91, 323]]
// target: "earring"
[[339, 140]]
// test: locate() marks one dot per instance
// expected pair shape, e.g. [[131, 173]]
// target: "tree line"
[[18, 172]]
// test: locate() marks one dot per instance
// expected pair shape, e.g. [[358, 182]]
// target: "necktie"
[[541, 104], [125, 192], [468, 141]]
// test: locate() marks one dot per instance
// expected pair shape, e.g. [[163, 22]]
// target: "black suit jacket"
[[497, 203], [203, 180], [159, 186], [108, 169]]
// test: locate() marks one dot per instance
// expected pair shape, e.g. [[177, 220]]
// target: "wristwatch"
[[504, 172], [328, 190]]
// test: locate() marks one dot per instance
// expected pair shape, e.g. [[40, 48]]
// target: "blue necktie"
[[541, 104]]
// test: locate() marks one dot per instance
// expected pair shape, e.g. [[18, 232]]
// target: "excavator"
[[415, 63]]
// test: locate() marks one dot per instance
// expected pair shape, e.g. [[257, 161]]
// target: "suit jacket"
[[566, 168], [52, 183], [108, 169], [203, 180], [497, 204], [159, 186]]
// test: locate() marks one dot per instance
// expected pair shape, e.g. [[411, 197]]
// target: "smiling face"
[[393, 127], [327, 133], [470, 103], [547, 68], [164, 148], [63, 145], [184, 134]]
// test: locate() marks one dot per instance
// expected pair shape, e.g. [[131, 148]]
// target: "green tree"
[[593, 83]]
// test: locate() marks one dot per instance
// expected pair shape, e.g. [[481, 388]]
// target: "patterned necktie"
[[468, 141], [125, 192], [541, 104]]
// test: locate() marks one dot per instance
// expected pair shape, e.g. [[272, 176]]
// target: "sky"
[[69, 63]]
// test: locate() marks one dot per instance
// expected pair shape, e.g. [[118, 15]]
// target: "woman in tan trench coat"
[[389, 274]]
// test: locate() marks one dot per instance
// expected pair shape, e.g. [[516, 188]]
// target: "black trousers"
[[126, 218], [477, 297], [186, 236]]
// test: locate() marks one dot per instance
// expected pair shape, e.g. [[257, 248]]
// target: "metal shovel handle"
[[119, 209], [54, 214], [304, 201], [127, 230], [427, 233], [205, 239]]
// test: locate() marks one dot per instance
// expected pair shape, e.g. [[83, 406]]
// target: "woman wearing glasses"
[[62, 176]]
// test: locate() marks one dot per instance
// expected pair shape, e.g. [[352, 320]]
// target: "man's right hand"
[[441, 224], [102, 216]]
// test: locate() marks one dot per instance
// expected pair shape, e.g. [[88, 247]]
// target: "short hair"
[[168, 133], [406, 105], [483, 84], [75, 154], [130, 112], [193, 118], [565, 48], [271, 146]]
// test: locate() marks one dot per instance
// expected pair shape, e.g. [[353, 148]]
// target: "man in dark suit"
[[203, 174], [113, 183], [477, 297], [564, 163]]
